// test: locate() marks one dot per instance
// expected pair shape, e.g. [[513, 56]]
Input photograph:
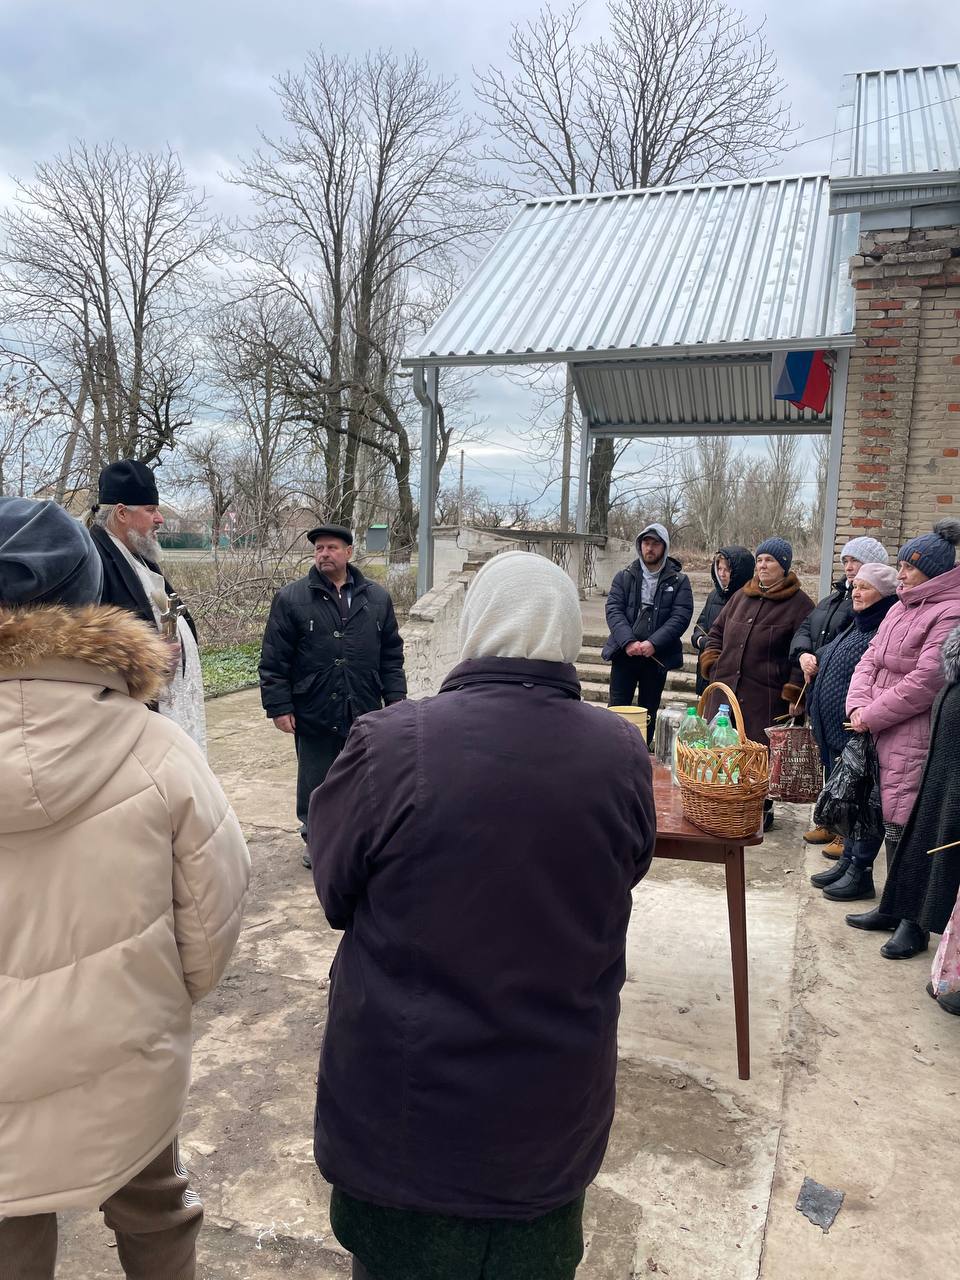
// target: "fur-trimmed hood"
[[73, 688], [951, 656], [787, 587], [110, 639]]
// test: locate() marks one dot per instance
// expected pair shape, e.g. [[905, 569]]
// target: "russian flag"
[[802, 377]]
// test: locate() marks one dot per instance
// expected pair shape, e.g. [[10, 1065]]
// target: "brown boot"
[[834, 849], [818, 835]]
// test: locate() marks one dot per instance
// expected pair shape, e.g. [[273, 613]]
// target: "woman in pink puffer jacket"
[[894, 687]]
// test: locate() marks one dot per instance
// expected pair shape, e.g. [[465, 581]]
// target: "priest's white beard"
[[145, 545]]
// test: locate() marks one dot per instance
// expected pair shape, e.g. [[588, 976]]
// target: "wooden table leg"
[[737, 913]]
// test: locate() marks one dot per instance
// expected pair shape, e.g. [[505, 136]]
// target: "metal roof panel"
[[900, 122], [746, 264], [685, 396]]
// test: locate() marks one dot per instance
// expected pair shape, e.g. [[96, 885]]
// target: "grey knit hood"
[[658, 531]]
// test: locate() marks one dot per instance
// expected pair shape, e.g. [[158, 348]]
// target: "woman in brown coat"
[[748, 647]]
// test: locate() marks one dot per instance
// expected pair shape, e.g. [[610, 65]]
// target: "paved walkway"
[[855, 1077]]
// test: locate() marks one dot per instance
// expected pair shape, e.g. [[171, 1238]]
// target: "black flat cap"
[[331, 531], [130, 482]]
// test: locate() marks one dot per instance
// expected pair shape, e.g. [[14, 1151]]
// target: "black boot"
[[767, 814], [831, 875], [872, 920], [856, 884], [950, 1002], [909, 940]]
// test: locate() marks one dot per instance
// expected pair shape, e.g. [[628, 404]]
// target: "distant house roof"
[[897, 140], [721, 268]]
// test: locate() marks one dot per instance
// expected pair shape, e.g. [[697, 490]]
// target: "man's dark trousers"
[[640, 676], [316, 752]]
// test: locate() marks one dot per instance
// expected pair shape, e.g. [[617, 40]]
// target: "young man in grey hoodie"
[[649, 607]]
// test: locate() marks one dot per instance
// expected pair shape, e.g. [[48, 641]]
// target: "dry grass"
[[230, 599]]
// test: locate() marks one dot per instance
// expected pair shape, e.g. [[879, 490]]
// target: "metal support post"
[[832, 496], [426, 387], [583, 480]]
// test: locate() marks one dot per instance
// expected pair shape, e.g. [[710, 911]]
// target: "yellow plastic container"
[[637, 716]]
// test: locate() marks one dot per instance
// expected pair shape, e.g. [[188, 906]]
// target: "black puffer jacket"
[[742, 567], [672, 611], [830, 616], [321, 670]]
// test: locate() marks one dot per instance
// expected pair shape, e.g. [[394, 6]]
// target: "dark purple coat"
[[478, 849]]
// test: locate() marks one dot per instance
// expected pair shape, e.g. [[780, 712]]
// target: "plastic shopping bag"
[[849, 804]]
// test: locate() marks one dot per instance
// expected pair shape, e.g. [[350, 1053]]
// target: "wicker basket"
[[724, 808]]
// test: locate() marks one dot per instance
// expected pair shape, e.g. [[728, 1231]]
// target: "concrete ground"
[[855, 1080]]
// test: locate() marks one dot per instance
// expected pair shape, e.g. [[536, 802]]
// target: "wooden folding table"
[[679, 839]]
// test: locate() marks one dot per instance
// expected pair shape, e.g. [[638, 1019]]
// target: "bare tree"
[[535, 111], [784, 506], [683, 90], [710, 472], [101, 264], [821, 468], [205, 461], [362, 211], [678, 90], [28, 408], [249, 345]]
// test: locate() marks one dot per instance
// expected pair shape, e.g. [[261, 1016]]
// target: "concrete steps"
[[592, 691], [594, 674], [595, 679]]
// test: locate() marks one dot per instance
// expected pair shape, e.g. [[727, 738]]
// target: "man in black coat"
[[124, 527], [649, 607], [331, 651], [128, 512]]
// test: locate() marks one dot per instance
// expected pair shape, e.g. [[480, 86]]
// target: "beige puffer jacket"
[[122, 876]]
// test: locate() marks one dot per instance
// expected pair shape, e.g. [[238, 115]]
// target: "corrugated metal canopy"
[[688, 397], [736, 266], [897, 140]]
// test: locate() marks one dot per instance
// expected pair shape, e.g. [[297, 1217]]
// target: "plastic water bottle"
[[722, 710], [723, 734], [694, 733], [693, 729]]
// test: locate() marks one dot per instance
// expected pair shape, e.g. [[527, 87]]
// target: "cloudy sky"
[[197, 74]]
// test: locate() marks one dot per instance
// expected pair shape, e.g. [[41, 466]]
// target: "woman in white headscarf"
[[478, 849]]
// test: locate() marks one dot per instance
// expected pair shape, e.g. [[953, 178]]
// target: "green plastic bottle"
[[693, 730], [725, 735], [694, 733]]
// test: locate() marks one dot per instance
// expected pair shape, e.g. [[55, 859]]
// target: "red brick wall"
[[900, 467]]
